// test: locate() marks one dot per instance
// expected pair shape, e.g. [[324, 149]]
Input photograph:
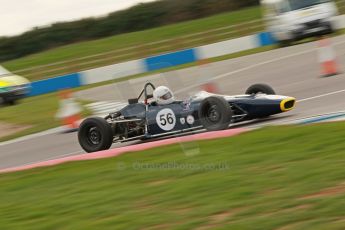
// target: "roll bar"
[[145, 93]]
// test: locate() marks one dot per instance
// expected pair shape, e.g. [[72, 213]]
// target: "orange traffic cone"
[[327, 58], [210, 87], [69, 111], [206, 84]]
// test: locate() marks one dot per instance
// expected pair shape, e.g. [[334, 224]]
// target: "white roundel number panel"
[[166, 119]]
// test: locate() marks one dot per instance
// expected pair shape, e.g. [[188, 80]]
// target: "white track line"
[[31, 136], [322, 95], [247, 68], [255, 66], [48, 159]]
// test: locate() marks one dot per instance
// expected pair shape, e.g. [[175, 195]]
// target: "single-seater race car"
[[147, 120]]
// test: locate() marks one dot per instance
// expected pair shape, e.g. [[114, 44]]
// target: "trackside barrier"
[[134, 67], [172, 59], [55, 84], [228, 47], [266, 39], [112, 72], [125, 69]]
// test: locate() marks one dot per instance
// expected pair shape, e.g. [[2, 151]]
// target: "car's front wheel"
[[95, 134], [260, 88], [215, 114]]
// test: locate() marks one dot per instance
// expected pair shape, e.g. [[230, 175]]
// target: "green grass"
[[38, 113], [267, 182], [83, 49]]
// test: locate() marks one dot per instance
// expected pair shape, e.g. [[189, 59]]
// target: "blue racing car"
[[159, 114]]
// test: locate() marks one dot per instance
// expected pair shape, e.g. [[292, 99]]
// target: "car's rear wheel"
[[215, 113], [95, 134], [260, 88]]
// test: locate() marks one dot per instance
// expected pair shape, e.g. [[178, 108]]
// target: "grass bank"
[[95, 47], [38, 113], [274, 178]]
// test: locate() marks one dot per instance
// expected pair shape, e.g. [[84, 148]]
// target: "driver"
[[163, 95]]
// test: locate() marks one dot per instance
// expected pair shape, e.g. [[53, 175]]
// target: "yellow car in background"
[[12, 87]]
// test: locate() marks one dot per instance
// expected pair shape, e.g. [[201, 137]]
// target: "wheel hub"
[[94, 136], [213, 114]]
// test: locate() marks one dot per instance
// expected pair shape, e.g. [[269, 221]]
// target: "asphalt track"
[[292, 71]]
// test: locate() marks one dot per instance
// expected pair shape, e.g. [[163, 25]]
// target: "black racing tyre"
[[215, 113], [95, 134], [260, 88]]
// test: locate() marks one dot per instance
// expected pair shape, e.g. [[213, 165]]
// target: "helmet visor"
[[166, 96]]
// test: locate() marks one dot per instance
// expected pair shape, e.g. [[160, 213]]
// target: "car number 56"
[[166, 119]]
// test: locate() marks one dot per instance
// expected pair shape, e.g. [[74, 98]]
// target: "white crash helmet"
[[163, 95]]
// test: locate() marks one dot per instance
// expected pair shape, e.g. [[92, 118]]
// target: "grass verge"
[[36, 112], [140, 38], [274, 178]]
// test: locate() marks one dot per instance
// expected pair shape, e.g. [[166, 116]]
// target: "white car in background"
[[292, 20], [12, 87]]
